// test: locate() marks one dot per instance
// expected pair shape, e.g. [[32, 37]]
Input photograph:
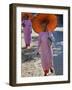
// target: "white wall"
[[4, 45]]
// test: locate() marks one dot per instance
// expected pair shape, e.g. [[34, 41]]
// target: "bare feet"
[[28, 47], [46, 72]]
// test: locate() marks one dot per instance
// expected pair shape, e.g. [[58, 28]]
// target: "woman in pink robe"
[[46, 52], [27, 29]]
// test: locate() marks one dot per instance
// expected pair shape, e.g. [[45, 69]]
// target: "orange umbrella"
[[50, 19]]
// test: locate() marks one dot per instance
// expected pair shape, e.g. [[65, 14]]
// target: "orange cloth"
[[39, 18]]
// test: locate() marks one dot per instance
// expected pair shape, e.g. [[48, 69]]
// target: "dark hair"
[[25, 17], [44, 26]]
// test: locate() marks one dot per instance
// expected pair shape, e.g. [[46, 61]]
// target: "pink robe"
[[27, 31], [46, 52]]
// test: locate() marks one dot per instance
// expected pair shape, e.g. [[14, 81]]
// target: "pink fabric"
[[27, 31], [46, 52]]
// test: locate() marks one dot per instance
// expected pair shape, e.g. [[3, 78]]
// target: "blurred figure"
[[27, 29]]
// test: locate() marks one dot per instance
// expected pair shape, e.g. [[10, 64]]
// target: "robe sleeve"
[[39, 42], [30, 26]]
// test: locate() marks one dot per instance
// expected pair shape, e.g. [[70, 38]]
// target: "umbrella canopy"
[[50, 21]]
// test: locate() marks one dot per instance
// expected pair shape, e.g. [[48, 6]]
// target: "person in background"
[[27, 29]]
